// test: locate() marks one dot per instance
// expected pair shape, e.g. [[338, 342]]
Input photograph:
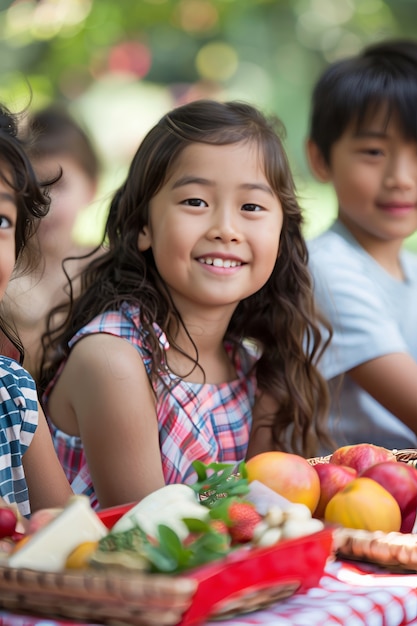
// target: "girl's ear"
[[144, 239], [317, 162]]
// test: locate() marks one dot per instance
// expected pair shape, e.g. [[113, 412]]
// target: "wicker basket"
[[246, 580], [134, 599], [408, 456], [395, 551]]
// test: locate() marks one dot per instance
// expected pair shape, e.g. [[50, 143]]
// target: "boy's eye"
[[195, 202], [251, 207], [373, 151]]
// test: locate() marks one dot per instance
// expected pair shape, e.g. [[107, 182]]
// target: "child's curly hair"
[[32, 201]]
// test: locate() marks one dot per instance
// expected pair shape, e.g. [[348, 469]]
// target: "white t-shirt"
[[372, 314]]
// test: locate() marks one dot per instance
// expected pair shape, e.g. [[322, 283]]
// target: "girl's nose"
[[224, 225]]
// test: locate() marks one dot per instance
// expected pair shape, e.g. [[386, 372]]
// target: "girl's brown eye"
[[195, 202], [251, 207]]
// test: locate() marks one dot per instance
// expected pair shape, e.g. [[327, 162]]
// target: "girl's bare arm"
[[107, 389], [47, 484]]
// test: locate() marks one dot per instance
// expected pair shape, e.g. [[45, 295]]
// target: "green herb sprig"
[[216, 481]]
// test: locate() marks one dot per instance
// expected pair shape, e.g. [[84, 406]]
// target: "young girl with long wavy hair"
[[200, 303]]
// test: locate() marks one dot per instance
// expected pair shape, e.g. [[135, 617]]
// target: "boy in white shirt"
[[363, 140]]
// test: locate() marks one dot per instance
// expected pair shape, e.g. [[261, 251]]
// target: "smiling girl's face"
[[214, 226], [8, 217]]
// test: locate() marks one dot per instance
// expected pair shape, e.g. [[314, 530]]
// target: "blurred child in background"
[[56, 143], [30, 474], [363, 140]]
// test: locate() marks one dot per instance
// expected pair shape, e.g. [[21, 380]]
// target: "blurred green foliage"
[[119, 65]]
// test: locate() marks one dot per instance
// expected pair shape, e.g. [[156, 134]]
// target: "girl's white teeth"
[[220, 262]]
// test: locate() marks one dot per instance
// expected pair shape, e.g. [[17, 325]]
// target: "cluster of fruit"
[[364, 486], [360, 486]]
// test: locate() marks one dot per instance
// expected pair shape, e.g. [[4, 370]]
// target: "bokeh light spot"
[[197, 15], [217, 61], [130, 57]]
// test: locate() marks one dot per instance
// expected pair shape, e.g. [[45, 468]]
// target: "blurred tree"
[[88, 52]]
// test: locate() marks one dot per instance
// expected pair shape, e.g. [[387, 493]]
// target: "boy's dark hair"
[[54, 131], [353, 89]]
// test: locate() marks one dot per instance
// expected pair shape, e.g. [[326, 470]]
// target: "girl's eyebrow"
[[259, 186], [196, 180], [190, 180], [7, 196]]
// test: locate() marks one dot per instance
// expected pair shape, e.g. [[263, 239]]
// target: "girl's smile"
[[217, 263]]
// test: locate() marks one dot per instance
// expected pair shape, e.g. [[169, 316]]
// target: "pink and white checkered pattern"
[[348, 594]]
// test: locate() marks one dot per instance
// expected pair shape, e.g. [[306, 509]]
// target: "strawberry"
[[221, 529], [219, 526], [243, 518]]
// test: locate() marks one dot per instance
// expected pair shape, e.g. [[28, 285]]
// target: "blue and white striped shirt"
[[18, 422]]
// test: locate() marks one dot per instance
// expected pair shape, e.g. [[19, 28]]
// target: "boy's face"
[[374, 173], [8, 218]]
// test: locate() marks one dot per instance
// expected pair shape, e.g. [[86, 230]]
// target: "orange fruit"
[[79, 557], [288, 474], [366, 505]]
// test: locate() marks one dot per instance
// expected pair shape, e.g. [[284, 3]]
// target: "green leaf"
[[218, 480], [169, 539], [160, 561], [201, 470], [196, 525]]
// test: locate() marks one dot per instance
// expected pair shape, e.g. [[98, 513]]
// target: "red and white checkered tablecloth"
[[348, 594]]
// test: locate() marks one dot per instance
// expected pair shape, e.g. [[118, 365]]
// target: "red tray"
[[250, 579], [111, 515]]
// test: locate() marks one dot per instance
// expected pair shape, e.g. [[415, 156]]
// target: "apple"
[[289, 475], [400, 480], [332, 479], [366, 505], [360, 456]]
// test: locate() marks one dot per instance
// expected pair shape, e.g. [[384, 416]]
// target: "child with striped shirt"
[[30, 474]]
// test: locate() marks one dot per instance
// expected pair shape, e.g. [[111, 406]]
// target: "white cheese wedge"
[[49, 547], [168, 505]]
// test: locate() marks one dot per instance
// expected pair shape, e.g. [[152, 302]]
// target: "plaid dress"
[[196, 421], [18, 422]]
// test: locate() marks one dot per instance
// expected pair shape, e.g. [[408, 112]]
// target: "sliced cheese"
[[49, 547], [168, 505]]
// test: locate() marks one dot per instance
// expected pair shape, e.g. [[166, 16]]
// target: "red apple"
[[361, 456], [332, 479], [400, 480]]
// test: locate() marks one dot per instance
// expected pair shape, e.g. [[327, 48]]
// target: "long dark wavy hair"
[[280, 318], [32, 204]]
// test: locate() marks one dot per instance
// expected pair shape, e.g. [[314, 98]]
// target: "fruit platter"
[[236, 540], [181, 555]]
